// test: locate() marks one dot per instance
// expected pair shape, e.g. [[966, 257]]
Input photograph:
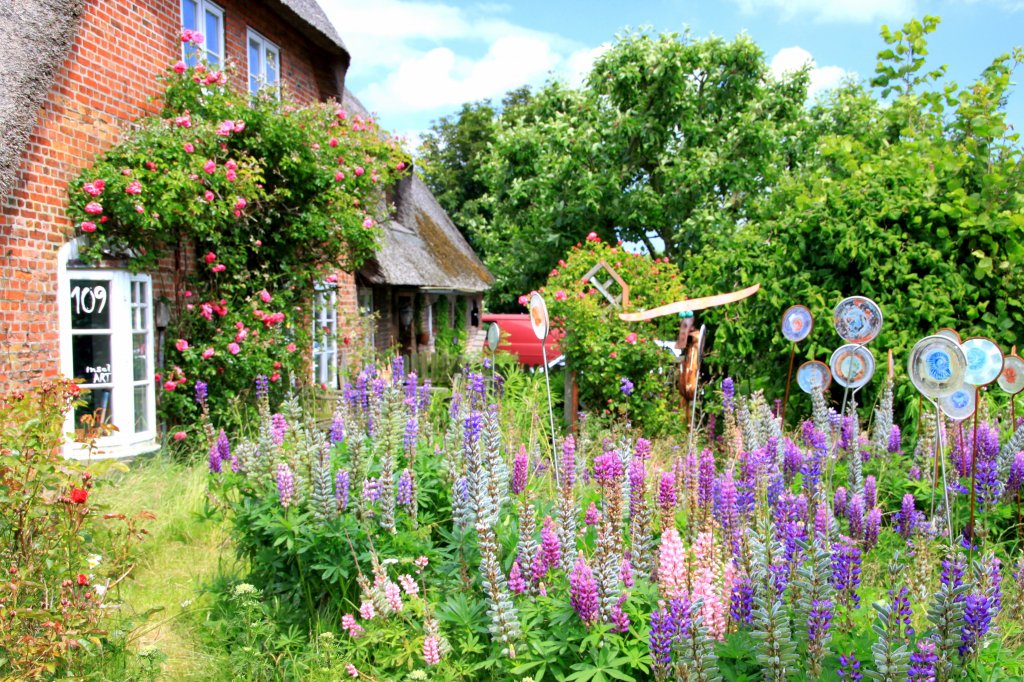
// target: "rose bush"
[[242, 195], [619, 368]]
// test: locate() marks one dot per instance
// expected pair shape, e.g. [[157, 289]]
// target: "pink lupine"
[[516, 582], [393, 594], [432, 650], [705, 584], [408, 584], [367, 611], [672, 565], [351, 670], [349, 625]]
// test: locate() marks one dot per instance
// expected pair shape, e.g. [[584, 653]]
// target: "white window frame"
[[325, 335], [260, 72], [364, 304], [204, 7], [128, 318]]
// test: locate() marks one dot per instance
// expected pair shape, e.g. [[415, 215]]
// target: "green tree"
[[917, 203], [666, 144]]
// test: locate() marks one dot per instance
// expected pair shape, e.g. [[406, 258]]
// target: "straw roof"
[[35, 36]]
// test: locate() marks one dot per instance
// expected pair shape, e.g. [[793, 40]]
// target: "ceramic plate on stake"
[[936, 366], [797, 323], [493, 336], [984, 361], [949, 334], [813, 374], [959, 405], [857, 319], [852, 366], [1011, 379], [539, 316]]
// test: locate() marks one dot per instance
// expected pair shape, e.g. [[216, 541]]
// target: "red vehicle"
[[517, 337]]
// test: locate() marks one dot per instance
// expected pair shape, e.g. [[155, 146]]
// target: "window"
[[325, 335], [106, 329], [264, 65], [364, 301], [205, 18]]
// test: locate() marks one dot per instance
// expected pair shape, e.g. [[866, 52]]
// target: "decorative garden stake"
[[936, 367], [1011, 380], [541, 328], [493, 338], [797, 324], [813, 374], [984, 365], [857, 320]]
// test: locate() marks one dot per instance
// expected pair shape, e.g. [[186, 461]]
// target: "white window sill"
[[78, 451]]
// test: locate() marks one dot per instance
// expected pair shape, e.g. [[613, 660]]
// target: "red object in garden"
[[517, 337], [79, 496]]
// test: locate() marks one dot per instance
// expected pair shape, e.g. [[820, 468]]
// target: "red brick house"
[[73, 75]]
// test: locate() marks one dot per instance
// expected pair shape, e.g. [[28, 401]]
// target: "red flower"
[[83, 579], [79, 496]]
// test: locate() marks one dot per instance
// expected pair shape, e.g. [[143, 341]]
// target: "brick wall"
[[106, 82]]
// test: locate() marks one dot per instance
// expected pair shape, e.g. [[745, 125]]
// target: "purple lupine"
[[952, 574], [706, 478], [262, 386], [849, 668], [922, 662], [741, 601], [667, 492], [337, 433], [608, 468], [223, 446], [977, 620], [341, 488], [995, 578], [666, 627], [790, 522], [835, 420], [845, 578], [423, 398], [214, 456], [712, 423], [592, 517], [819, 621], [813, 466], [855, 514], [846, 433], [728, 394], [201, 392], [397, 370], [404, 496], [792, 461], [895, 439], [822, 520], [285, 484], [516, 582], [637, 484], [777, 411], [903, 612], [872, 524], [520, 471], [568, 462], [472, 426], [583, 592], [550, 550], [726, 509], [908, 517], [1016, 478], [412, 432], [619, 617], [455, 406], [642, 449], [626, 572], [278, 426], [371, 490], [626, 386], [870, 492]]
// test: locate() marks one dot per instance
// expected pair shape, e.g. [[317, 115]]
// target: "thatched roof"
[[35, 36], [310, 19], [421, 245]]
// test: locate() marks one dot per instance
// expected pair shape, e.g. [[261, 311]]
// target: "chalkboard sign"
[[90, 304]]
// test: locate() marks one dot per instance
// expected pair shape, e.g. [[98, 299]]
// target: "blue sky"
[[413, 62]]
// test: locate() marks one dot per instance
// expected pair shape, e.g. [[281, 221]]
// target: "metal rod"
[[693, 414], [551, 413], [974, 463], [945, 488], [789, 379]]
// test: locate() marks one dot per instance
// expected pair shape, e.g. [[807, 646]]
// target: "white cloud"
[[425, 57], [791, 59], [858, 11]]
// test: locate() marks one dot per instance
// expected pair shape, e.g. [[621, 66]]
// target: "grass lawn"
[[186, 551]]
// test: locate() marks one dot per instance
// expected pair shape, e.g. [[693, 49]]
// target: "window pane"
[[271, 67], [97, 405], [140, 357], [90, 304], [90, 358], [141, 409], [213, 37], [255, 69], [189, 10]]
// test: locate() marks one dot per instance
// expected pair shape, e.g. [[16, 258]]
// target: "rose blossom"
[[88, 226], [234, 348], [181, 345], [94, 208], [208, 353]]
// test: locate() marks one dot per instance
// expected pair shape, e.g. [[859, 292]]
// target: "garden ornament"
[[797, 324]]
